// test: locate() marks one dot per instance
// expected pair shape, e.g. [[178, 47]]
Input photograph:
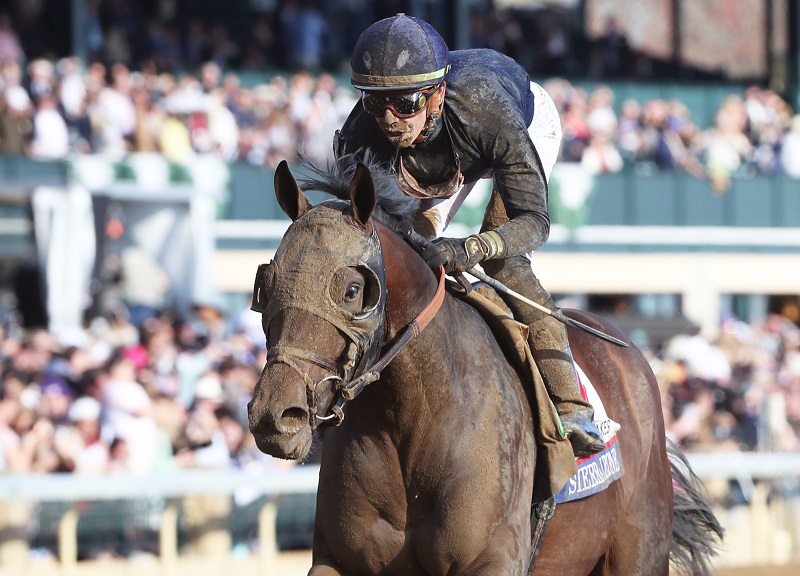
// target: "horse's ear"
[[362, 198], [290, 198]]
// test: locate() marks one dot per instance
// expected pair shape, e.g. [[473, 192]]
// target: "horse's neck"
[[410, 282], [421, 372]]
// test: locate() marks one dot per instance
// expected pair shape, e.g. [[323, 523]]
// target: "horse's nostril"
[[293, 419]]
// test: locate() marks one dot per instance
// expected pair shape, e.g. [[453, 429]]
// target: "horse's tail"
[[696, 532]]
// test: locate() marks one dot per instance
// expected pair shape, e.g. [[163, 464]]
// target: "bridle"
[[365, 357], [347, 385]]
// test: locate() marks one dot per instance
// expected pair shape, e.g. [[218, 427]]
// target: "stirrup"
[[583, 434]]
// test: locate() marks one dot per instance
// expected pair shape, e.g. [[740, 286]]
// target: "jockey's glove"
[[460, 254]]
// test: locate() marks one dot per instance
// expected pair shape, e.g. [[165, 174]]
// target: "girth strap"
[[541, 512]]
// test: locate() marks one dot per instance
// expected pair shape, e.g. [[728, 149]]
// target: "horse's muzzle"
[[284, 435], [291, 420]]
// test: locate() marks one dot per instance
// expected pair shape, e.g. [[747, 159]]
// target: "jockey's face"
[[403, 130]]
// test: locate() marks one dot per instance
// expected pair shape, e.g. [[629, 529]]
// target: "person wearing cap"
[[441, 121], [56, 397]]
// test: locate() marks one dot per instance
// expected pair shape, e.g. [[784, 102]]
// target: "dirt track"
[[297, 564], [792, 570], [289, 564]]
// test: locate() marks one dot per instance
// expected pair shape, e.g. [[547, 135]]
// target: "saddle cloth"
[[596, 472]]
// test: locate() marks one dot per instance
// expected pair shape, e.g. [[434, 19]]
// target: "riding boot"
[[551, 352], [550, 349]]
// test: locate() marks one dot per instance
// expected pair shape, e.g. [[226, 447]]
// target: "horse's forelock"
[[394, 209]]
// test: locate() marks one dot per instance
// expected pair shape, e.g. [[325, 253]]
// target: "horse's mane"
[[394, 208]]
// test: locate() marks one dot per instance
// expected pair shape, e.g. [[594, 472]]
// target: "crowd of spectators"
[[752, 133], [50, 111], [58, 109], [737, 392], [163, 395], [141, 397], [146, 390], [121, 398], [124, 398], [168, 395], [147, 86]]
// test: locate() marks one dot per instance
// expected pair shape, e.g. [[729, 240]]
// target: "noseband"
[[339, 377]]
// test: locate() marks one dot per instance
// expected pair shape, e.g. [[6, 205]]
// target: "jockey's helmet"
[[400, 53]]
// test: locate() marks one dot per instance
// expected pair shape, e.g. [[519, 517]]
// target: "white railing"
[[19, 489], [71, 487], [745, 467]]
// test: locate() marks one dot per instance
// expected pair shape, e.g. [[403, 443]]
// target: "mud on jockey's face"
[[403, 116]]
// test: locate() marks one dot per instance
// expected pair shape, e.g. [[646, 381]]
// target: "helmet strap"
[[433, 115]]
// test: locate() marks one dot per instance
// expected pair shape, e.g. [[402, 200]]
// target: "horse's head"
[[322, 301]]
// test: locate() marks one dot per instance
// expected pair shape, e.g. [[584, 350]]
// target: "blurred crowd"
[[145, 87], [737, 392], [755, 132], [136, 399], [164, 392], [58, 109], [53, 110]]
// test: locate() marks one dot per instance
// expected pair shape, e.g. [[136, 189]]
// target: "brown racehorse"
[[430, 468]]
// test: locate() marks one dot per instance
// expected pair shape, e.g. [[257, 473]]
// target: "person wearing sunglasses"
[[441, 121]]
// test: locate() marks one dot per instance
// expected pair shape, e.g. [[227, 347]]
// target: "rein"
[[349, 390]]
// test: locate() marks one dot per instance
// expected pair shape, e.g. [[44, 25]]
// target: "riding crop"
[[418, 240], [557, 314]]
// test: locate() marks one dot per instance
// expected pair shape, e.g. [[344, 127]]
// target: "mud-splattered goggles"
[[402, 105]]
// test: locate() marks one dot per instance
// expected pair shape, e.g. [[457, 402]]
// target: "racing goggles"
[[402, 105]]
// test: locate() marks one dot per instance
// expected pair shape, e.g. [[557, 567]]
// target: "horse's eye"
[[349, 289], [352, 292]]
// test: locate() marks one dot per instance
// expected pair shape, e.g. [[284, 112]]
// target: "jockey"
[[443, 120]]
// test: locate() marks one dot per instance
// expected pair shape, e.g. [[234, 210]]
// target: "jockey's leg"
[[550, 349]]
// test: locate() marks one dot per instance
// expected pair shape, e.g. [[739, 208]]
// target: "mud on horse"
[[429, 469]]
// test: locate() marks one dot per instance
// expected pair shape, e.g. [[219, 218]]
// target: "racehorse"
[[428, 439]]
